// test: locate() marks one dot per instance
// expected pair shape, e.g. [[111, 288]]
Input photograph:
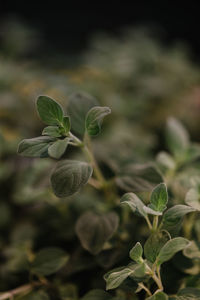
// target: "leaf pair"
[[158, 202]]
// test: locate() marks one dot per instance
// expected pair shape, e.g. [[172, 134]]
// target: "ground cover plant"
[[133, 226]]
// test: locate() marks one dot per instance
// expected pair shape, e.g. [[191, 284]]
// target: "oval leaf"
[[94, 230], [49, 110], [154, 243], [115, 279], [69, 176], [79, 104], [136, 205], [35, 147], [171, 248], [175, 214], [58, 148], [95, 118], [48, 261], [189, 294], [192, 198], [159, 198], [53, 131], [136, 253]]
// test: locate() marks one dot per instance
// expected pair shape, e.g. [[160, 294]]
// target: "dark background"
[[67, 28]]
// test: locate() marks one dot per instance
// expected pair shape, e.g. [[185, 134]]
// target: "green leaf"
[[136, 253], [97, 295], [115, 279], [136, 205], [189, 294], [176, 137], [69, 177], [159, 198], [158, 296], [140, 273], [53, 131], [94, 230], [66, 124], [48, 261], [154, 244], [151, 211], [95, 118], [35, 147], [171, 248], [58, 148], [192, 198], [50, 112], [175, 214], [138, 178], [79, 104]]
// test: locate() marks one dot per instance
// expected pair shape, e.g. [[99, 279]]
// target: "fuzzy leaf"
[[171, 248], [79, 104], [53, 131], [189, 293], [115, 279], [58, 148], [94, 230], [166, 160], [50, 112], [176, 137], [192, 250], [175, 214], [69, 176], [159, 198], [136, 253], [66, 123], [48, 261], [35, 147], [136, 205], [95, 118], [151, 211], [154, 244]]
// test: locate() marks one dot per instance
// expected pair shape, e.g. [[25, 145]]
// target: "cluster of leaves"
[[97, 230]]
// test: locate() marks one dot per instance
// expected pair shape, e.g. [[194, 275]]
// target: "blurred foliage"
[[144, 83]]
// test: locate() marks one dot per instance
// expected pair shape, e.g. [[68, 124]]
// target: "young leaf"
[[154, 243], [136, 253], [58, 148], [35, 147], [159, 198], [49, 110], [48, 261], [79, 104], [166, 160], [158, 296], [97, 295], [138, 177], [66, 124], [136, 205], [94, 230], [151, 211], [171, 248], [69, 176], [175, 214], [53, 131], [176, 137], [115, 279], [94, 119]]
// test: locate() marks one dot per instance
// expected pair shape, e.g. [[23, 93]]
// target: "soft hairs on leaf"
[[35, 147], [69, 176], [94, 119], [50, 112]]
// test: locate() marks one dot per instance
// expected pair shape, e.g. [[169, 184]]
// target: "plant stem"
[[155, 222], [148, 222], [20, 290], [145, 288], [158, 281]]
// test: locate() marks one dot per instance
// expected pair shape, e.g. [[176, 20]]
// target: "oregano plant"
[[131, 235]]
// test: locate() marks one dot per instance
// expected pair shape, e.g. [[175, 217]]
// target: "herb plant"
[[106, 232]]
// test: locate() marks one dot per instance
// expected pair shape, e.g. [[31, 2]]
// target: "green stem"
[[148, 222], [145, 288], [155, 222]]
